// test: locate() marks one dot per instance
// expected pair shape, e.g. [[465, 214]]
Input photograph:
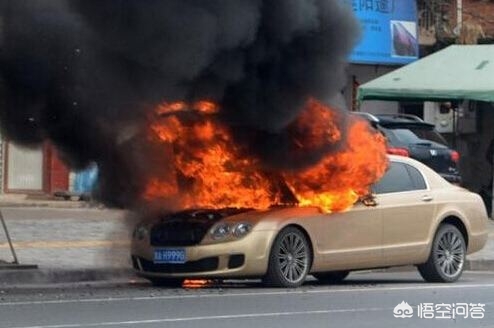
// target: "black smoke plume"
[[85, 74]]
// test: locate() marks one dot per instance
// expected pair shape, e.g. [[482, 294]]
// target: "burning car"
[[413, 216]]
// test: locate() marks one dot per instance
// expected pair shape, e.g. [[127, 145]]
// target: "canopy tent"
[[456, 72]]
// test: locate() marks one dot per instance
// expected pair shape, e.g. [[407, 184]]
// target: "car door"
[[407, 209], [348, 240]]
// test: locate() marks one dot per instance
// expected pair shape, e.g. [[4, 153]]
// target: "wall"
[[481, 12], [57, 174], [24, 169], [363, 74], [50, 172], [475, 169]]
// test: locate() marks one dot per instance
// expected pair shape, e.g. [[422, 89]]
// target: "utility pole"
[[6, 231], [15, 264], [459, 14]]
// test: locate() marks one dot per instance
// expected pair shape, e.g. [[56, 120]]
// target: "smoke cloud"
[[86, 74]]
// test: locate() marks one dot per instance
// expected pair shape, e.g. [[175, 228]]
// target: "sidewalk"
[[42, 200], [65, 244]]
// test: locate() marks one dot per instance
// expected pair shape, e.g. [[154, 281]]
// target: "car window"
[[417, 178], [413, 135], [390, 137], [429, 134], [399, 177]]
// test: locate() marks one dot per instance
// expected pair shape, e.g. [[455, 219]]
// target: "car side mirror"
[[368, 200]]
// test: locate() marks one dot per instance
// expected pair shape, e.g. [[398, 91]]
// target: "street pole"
[[459, 15], [8, 238]]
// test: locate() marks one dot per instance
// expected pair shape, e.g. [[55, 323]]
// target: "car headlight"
[[141, 232], [242, 229], [223, 230], [220, 231]]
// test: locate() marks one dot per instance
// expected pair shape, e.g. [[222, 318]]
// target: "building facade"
[[33, 170], [446, 22], [469, 125]]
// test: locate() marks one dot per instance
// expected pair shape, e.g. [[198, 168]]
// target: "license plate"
[[169, 256]]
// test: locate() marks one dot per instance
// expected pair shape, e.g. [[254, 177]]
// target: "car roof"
[[391, 120]]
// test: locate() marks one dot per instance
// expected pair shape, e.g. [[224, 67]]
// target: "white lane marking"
[[254, 294], [213, 317]]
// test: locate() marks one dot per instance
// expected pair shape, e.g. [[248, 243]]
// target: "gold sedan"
[[413, 217]]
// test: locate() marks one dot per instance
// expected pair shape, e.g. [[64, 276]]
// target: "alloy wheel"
[[293, 257], [449, 255]]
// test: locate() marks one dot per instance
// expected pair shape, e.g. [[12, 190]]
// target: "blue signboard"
[[389, 31]]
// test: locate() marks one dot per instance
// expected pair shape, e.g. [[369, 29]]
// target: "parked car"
[[408, 135], [413, 217]]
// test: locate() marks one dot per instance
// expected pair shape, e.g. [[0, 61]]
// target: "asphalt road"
[[365, 300]]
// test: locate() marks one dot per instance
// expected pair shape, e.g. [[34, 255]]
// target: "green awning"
[[456, 72]]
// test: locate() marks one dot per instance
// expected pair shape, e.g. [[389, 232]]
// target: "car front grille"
[[203, 265], [178, 233], [187, 228]]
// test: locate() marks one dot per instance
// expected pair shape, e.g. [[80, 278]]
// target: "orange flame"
[[205, 156], [207, 107], [335, 183], [212, 171], [168, 108], [196, 283], [202, 106]]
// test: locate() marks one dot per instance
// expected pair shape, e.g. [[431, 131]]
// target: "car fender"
[[441, 216], [277, 225]]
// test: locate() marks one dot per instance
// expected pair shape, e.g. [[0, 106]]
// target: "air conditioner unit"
[[444, 116], [439, 114]]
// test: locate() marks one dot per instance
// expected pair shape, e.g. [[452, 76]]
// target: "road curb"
[[12, 277], [53, 276], [479, 265], [51, 204]]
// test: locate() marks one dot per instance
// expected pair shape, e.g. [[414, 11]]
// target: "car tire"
[[332, 277], [166, 282], [447, 257], [290, 259]]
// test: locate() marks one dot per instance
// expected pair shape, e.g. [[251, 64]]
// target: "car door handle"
[[426, 198]]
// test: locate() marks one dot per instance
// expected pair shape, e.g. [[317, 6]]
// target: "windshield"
[[413, 135]]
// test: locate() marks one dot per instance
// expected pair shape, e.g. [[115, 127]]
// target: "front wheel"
[[289, 260], [447, 258]]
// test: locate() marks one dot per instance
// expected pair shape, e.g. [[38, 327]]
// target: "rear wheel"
[[332, 277], [166, 282], [447, 258], [289, 260]]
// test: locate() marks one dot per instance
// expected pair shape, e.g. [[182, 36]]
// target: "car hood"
[[271, 218], [261, 219]]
